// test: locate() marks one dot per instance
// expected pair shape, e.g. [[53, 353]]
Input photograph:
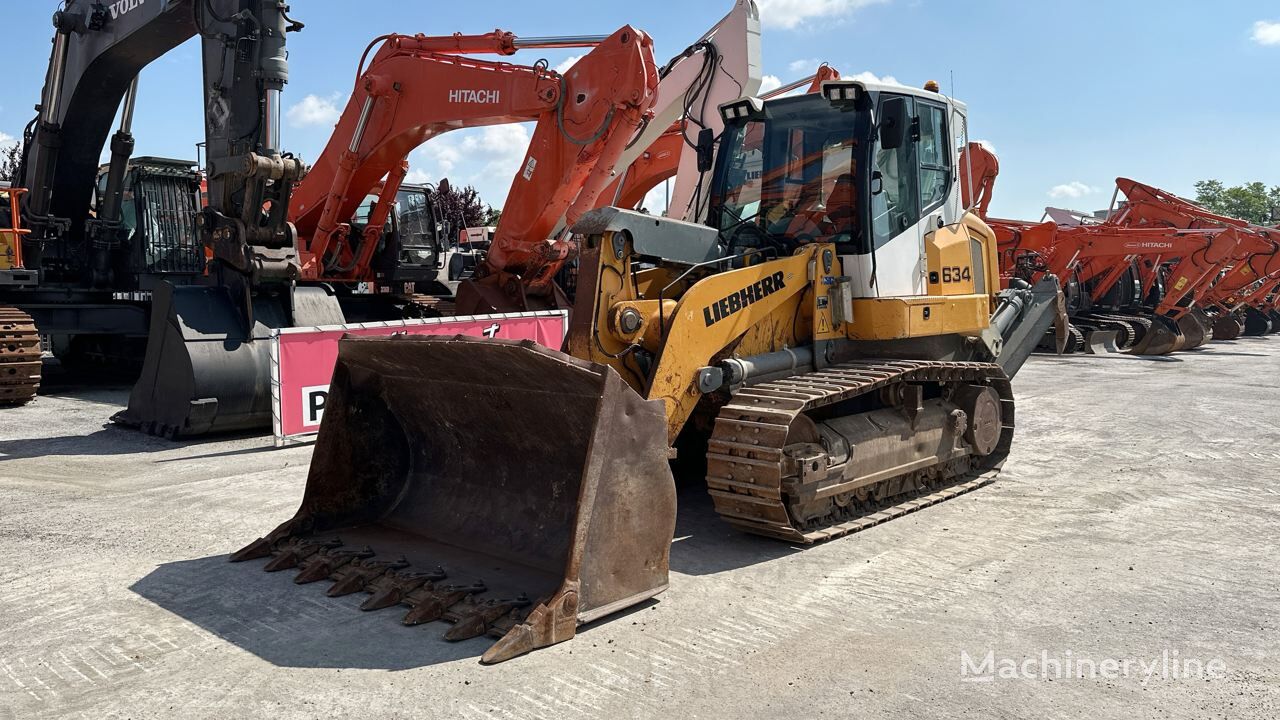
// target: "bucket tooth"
[[356, 575], [430, 604], [321, 564], [474, 618], [296, 550], [259, 548], [394, 586], [265, 546]]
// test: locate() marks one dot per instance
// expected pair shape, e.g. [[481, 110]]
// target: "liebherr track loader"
[[834, 345]]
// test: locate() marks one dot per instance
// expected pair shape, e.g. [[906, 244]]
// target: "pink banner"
[[304, 358]]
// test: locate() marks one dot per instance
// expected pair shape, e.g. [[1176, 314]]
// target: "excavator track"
[[19, 357], [756, 486], [1126, 332], [1140, 325]]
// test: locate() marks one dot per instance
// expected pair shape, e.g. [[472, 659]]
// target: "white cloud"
[[988, 146], [807, 66], [314, 110], [789, 14], [567, 63], [7, 139], [769, 82], [417, 176], [487, 158], [871, 77], [1072, 190], [1266, 33]]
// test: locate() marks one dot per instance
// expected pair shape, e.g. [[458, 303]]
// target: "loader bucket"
[[1162, 338], [503, 487], [203, 372]]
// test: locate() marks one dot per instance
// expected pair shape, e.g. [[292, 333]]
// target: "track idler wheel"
[[1162, 338]]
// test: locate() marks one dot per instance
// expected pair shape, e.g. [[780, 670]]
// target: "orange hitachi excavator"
[[416, 88]]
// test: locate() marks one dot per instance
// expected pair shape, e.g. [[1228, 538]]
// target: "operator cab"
[[417, 252], [866, 166], [160, 201]]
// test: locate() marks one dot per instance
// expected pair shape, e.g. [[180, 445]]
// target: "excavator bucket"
[[503, 487], [1195, 328], [1257, 322], [1162, 338], [1227, 326], [1101, 342], [203, 372]]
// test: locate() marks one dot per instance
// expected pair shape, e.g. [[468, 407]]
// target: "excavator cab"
[[159, 205]]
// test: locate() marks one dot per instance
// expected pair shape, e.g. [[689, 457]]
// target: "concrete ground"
[[1136, 523]]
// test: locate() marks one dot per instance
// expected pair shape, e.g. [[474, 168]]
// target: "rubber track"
[[745, 451], [19, 357]]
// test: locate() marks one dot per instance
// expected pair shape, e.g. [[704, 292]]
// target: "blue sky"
[[1070, 94]]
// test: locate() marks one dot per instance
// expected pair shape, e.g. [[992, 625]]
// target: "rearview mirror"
[[893, 123], [877, 183]]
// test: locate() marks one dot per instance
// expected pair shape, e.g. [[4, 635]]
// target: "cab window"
[[935, 176], [895, 209]]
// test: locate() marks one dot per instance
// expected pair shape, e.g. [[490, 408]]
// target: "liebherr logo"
[[123, 6], [730, 304], [481, 97]]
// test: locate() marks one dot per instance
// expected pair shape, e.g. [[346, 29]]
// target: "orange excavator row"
[[1156, 275]]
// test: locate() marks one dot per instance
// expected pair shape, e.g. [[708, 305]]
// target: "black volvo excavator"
[[84, 270]]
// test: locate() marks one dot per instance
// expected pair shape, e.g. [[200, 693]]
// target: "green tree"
[[10, 157], [1252, 201], [461, 208]]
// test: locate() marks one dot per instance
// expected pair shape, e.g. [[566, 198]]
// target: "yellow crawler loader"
[[832, 345]]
